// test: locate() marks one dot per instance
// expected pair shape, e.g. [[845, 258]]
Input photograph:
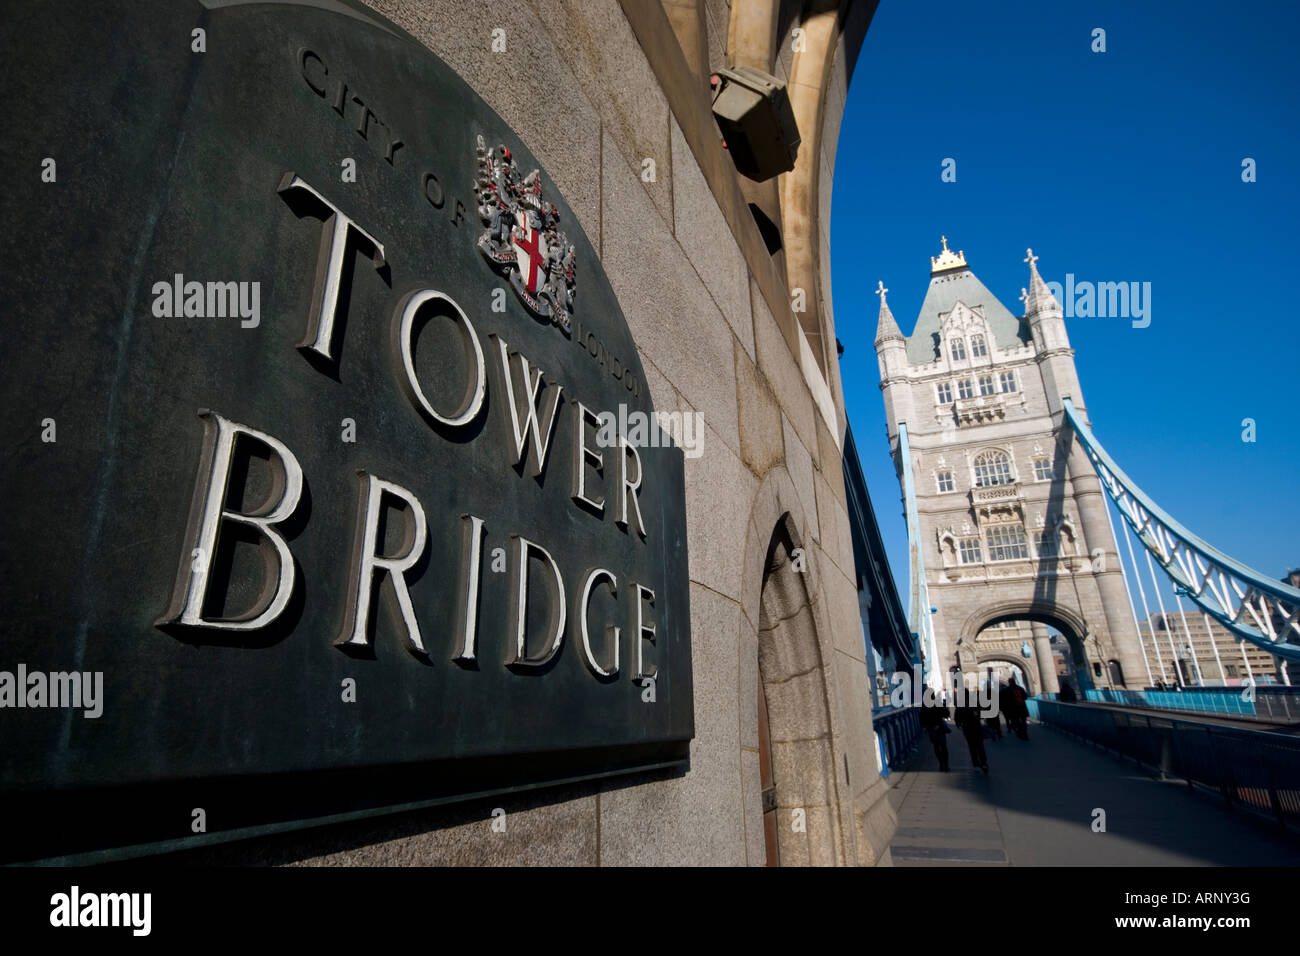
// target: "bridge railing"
[[1275, 702], [897, 730], [1252, 769]]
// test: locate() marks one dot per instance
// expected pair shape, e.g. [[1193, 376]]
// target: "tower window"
[[1008, 381], [970, 550], [945, 481], [986, 385], [944, 391], [1007, 542], [1042, 469], [992, 468], [964, 389], [958, 349], [977, 346]]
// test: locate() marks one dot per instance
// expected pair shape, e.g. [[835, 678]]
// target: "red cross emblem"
[[530, 250]]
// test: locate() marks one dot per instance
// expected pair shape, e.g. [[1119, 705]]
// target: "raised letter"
[[467, 612], [628, 487], [365, 562], [593, 578], [583, 454], [644, 632], [519, 605], [475, 389], [210, 510], [329, 266], [530, 428]]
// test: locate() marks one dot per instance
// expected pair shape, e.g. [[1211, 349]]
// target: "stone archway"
[[1064, 619], [801, 794]]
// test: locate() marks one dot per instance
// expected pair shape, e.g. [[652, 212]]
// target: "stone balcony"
[[983, 410], [997, 500]]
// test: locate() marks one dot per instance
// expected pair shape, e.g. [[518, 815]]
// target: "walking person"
[[934, 721], [1012, 701], [972, 728]]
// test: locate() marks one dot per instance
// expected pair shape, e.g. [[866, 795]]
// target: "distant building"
[[1215, 655]]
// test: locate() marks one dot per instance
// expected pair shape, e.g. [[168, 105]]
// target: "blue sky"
[[1116, 166]]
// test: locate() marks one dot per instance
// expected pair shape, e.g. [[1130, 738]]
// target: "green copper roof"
[[946, 290]]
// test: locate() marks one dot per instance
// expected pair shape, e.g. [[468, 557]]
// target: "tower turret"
[[891, 352], [1051, 342]]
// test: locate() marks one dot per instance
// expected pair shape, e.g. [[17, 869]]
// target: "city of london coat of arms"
[[522, 240]]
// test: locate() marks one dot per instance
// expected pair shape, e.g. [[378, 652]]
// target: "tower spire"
[[886, 327], [1038, 299]]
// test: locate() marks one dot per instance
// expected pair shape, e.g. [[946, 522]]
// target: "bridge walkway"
[[1036, 808]]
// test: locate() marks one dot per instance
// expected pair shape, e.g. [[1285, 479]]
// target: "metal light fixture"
[[753, 112]]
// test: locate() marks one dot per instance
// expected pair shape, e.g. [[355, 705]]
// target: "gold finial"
[[947, 259]]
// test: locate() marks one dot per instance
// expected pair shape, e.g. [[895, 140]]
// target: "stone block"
[[796, 707], [798, 462], [597, 43], [837, 536], [719, 489], [755, 842], [696, 819], [779, 658], [671, 314], [748, 671], [708, 242], [761, 436], [840, 602], [778, 366]]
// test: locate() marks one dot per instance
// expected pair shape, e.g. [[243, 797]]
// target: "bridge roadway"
[[1036, 808]]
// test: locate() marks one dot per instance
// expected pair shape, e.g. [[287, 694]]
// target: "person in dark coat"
[[1011, 700], [1066, 695], [934, 721], [972, 728]]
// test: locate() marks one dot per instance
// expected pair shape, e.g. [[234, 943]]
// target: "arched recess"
[[1072, 627], [793, 683]]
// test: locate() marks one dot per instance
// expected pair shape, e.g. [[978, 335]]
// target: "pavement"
[[1039, 806]]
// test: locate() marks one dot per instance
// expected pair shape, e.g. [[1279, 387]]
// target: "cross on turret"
[[1030, 257], [881, 290]]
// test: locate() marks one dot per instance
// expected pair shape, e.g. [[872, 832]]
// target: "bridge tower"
[[1013, 521]]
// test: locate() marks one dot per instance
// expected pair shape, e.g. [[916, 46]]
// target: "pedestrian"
[[1011, 699], [1067, 695], [972, 728], [934, 721]]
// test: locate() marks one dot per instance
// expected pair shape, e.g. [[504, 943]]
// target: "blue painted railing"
[[1268, 702], [897, 731]]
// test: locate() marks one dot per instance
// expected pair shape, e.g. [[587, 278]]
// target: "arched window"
[[958, 349], [992, 468]]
